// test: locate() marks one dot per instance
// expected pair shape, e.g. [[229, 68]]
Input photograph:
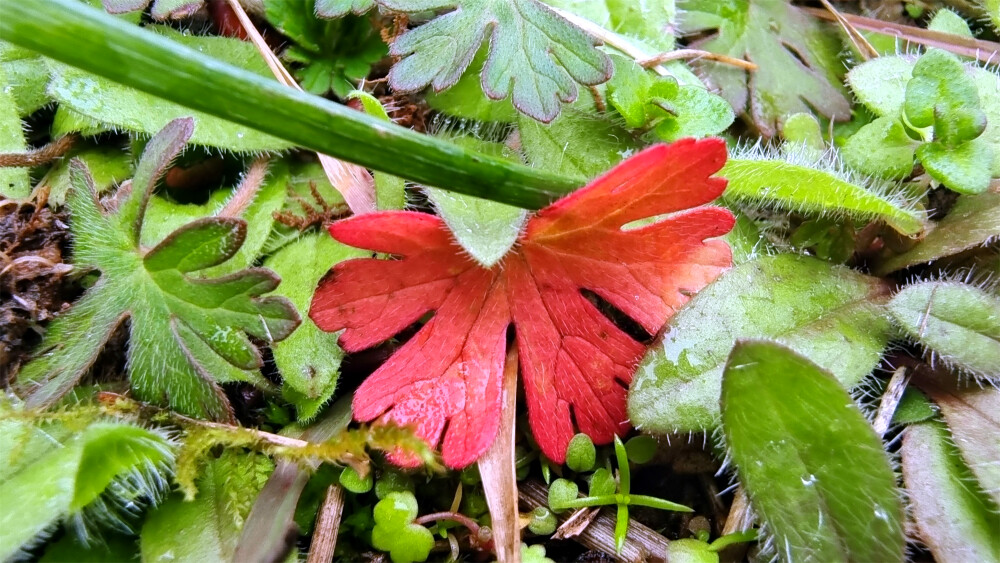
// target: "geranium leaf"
[[450, 372], [953, 517], [973, 221], [207, 528], [536, 57], [959, 323], [108, 167], [309, 359], [814, 469], [830, 314], [797, 59], [62, 470], [187, 332], [106, 105]]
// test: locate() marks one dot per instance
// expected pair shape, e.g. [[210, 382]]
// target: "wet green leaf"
[[814, 469]]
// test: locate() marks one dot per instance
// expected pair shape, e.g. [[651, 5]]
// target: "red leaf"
[[576, 364]]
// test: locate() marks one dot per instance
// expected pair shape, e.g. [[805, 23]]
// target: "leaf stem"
[[687, 54], [85, 37]]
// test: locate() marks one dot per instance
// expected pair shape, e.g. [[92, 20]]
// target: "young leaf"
[[107, 105], [14, 182], [830, 314], [880, 84], [536, 57], [973, 221], [959, 323], [797, 185], [813, 467], [964, 168], [395, 531], [953, 517], [207, 528], [450, 371], [108, 166], [52, 471], [942, 95], [881, 148], [309, 359], [797, 59], [186, 332]]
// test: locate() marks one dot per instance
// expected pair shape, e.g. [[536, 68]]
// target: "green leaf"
[[52, 471], [108, 167], [964, 168], [797, 59], [25, 75], [988, 85], [814, 469], [107, 105], [207, 528], [187, 332], [534, 554], [466, 99], [340, 8], [649, 23], [395, 531], [830, 314], [880, 84], [947, 21], [820, 187], [14, 182], [309, 359], [941, 94], [71, 549], [881, 148], [536, 57], [973, 221], [953, 517], [959, 323]]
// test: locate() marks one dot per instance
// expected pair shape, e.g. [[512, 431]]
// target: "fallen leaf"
[[576, 363]]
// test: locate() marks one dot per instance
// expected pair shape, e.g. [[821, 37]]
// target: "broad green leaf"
[[813, 467], [108, 167], [964, 168], [803, 129], [941, 94], [825, 189], [14, 182], [466, 99], [207, 528], [953, 517], [974, 220], [648, 23], [536, 57], [25, 75], [830, 314], [53, 471], [972, 412], [309, 359], [340, 8], [881, 148], [797, 59], [958, 323], [913, 407], [880, 84], [107, 105], [186, 332], [947, 21]]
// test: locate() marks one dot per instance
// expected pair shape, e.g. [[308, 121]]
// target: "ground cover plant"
[[499, 280]]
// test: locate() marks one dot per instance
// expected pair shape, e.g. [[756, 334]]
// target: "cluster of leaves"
[[837, 273]]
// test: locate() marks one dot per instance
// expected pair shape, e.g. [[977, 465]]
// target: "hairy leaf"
[[536, 57], [974, 220], [162, 9], [830, 314], [340, 8], [309, 359], [24, 76], [14, 182], [573, 357], [797, 59], [881, 148], [186, 332], [207, 528], [108, 166], [811, 464], [953, 517], [52, 471], [104, 104], [880, 84], [959, 323]]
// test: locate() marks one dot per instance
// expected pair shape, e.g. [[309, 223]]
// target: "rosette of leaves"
[[934, 109], [329, 55], [187, 333]]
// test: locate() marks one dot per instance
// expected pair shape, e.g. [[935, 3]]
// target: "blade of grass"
[[81, 36]]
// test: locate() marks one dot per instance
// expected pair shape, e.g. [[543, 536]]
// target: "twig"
[[642, 544], [352, 181], [42, 155], [324, 539], [890, 400], [864, 47], [688, 54], [984, 51], [247, 190]]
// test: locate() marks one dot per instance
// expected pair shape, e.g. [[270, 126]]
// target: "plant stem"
[[85, 37]]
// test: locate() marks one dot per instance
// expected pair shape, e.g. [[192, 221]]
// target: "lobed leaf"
[[830, 314], [959, 323], [811, 464]]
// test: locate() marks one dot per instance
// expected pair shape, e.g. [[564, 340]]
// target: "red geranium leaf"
[[576, 364]]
